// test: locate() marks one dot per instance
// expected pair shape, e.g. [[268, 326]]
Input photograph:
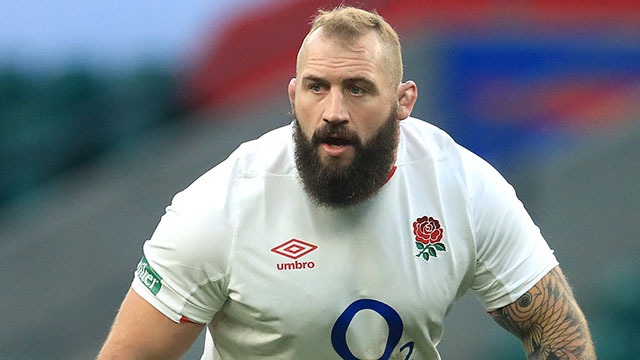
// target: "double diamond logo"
[[294, 249]]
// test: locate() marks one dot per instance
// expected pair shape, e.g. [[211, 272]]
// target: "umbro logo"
[[295, 249]]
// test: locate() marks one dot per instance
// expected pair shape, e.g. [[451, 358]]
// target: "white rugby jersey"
[[244, 250]]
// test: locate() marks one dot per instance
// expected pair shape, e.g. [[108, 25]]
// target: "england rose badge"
[[428, 233]]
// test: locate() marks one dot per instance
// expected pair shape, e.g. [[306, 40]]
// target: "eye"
[[315, 87], [356, 90]]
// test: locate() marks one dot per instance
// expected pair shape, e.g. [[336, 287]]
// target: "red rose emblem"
[[427, 230], [428, 235]]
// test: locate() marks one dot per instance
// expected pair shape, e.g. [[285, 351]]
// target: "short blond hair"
[[349, 24]]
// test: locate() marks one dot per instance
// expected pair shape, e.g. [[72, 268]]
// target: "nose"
[[335, 110]]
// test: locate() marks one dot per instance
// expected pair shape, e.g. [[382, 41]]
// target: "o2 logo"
[[339, 331]]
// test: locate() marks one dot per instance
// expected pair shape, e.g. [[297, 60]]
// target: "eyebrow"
[[312, 78], [368, 84]]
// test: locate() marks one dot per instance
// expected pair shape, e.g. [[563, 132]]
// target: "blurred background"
[[107, 109]]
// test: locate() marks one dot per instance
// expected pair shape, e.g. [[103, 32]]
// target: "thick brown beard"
[[338, 186]]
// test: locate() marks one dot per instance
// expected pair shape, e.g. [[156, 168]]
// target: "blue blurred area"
[[509, 95], [109, 35]]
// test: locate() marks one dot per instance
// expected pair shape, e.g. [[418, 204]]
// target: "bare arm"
[[140, 331], [548, 321]]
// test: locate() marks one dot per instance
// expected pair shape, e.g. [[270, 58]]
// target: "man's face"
[[344, 108], [345, 85]]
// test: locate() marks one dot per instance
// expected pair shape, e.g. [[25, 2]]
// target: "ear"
[[407, 94], [292, 91]]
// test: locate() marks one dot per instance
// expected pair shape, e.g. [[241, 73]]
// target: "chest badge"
[[295, 249], [428, 234]]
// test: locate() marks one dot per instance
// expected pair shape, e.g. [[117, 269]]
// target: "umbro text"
[[297, 265]]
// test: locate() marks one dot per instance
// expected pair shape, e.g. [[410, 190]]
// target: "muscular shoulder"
[[214, 191], [203, 214], [421, 140], [424, 142], [270, 154]]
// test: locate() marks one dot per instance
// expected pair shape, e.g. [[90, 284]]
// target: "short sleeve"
[[183, 272], [511, 254]]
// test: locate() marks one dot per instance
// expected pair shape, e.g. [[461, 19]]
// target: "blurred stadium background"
[[108, 109]]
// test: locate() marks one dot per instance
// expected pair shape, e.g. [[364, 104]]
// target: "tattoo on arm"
[[548, 321]]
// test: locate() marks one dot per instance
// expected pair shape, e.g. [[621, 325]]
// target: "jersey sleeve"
[[511, 254], [183, 272]]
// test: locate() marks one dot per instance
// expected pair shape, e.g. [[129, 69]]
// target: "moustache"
[[335, 132]]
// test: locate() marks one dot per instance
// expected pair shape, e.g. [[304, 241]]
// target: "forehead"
[[327, 55]]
